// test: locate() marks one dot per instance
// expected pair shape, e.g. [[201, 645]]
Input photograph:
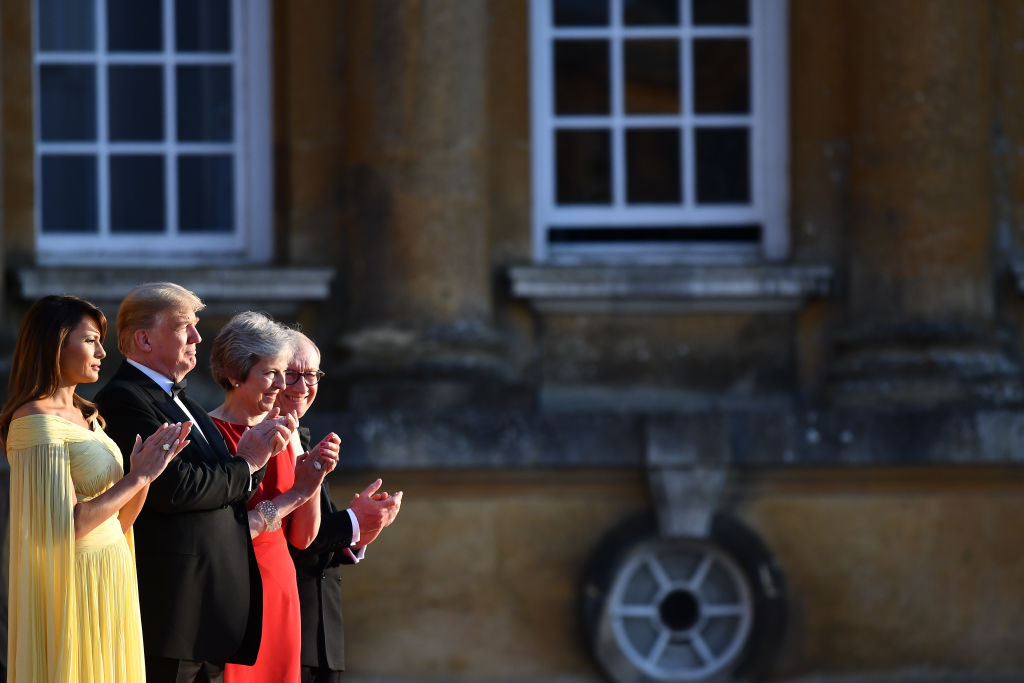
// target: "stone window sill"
[[670, 289], [276, 290]]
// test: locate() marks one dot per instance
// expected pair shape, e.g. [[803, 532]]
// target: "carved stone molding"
[[669, 289]]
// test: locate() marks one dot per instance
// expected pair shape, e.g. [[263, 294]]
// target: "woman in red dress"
[[249, 358]]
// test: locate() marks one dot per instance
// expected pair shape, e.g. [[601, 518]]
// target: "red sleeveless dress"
[[280, 648]]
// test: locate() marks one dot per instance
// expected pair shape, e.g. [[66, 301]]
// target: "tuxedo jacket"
[[318, 574], [199, 585]]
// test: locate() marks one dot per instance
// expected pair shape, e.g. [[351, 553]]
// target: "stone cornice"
[[668, 289], [276, 289]]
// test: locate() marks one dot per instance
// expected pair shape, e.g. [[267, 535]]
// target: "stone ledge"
[[668, 289], [694, 441], [276, 290]]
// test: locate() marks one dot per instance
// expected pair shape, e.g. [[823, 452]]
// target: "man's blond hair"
[[141, 309]]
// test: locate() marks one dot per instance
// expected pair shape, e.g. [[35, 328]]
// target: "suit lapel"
[[212, 446], [210, 430]]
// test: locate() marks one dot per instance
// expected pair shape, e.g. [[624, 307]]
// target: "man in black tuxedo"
[[342, 538], [199, 586]]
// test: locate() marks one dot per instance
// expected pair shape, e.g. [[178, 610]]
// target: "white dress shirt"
[[165, 384]]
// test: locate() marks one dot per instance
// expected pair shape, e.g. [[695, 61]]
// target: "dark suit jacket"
[[318, 573], [199, 586]]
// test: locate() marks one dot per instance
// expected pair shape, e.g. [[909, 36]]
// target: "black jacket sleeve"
[[192, 481], [335, 533]]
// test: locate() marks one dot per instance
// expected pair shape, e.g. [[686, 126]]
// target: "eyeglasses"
[[310, 378]]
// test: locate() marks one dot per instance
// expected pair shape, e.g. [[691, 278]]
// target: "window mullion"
[[769, 145], [102, 122], [239, 130], [618, 134], [689, 152], [753, 128], [170, 123], [542, 122]]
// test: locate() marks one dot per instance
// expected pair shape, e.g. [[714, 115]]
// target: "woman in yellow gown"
[[74, 604]]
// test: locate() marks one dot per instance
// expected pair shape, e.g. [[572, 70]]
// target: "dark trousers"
[[313, 674], [164, 670]]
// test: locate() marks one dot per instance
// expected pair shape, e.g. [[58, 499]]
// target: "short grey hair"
[[244, 341], [299, 337]]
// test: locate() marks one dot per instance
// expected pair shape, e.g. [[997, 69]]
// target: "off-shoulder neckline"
[[90, 429]]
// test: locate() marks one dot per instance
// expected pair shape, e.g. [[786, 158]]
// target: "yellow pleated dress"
[[74, 605]]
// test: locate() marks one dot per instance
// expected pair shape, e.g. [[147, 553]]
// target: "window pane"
[[68, 193], [580, 12], [583, 166], [581, 77], [206, 195], [723, 165], [652, 76], [134, 26], [721, 12], [202, 25], [136, 106], [205, 104], [67, 102], [653, 170], [650, 12], [137, 193], [721, 76], [65, 25]]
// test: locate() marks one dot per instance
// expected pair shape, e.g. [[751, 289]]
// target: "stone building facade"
[[834, 390]]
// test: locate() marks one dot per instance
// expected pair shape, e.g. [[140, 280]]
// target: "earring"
[[236, 385]]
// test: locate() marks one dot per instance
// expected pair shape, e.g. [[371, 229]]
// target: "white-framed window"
[[659, 130], [152, 131]]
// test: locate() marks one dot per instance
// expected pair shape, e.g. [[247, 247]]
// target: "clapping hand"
[[268, 438], [311, 467], [150, 457], [374, 510]]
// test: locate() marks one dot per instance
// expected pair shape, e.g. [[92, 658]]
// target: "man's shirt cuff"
[[355, 526]]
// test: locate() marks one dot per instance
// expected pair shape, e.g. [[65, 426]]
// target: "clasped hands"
[[266, 439]]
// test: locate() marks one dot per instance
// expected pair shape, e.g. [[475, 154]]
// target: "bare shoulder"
[[31, 408], [46, 407]]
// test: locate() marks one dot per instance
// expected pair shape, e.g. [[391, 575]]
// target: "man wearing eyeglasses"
[[342, 539]]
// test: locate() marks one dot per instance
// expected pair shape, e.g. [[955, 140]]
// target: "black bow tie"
[[178, 387]]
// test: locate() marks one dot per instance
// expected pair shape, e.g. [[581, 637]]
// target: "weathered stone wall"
[[416, 162], [896, 567], [477, 579], [887, 568], [16, 150]]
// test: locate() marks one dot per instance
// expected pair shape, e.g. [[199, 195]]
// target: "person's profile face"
[[173, 341], [298, 396], [81, 353]]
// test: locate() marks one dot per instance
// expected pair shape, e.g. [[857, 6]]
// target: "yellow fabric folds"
[[74, 607]]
